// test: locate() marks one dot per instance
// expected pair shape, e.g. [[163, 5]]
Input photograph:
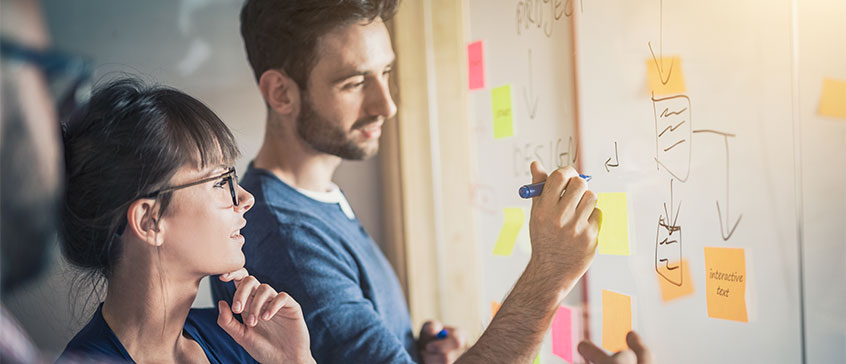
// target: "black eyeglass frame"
[[53, 64], [230, 175]]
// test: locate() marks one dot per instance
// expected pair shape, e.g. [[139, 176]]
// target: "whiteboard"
[[749, 164], [527, 45]]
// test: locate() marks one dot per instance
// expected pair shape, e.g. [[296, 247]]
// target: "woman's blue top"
[[97, 340]]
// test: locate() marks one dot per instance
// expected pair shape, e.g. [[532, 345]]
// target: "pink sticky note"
[[562, 334], [476, 65]]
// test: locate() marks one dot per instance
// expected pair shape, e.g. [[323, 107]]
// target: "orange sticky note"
[[476, 65], [616, 320], [613, 236], [725, 283], [833, 98], [673, 290], [494, 308], [514, 218], [665, 76]]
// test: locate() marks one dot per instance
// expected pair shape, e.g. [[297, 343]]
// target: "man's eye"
[[354, 85]]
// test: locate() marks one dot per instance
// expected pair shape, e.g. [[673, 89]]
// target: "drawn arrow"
[[726, 229], [616, 160], [660, 65], [532, 107]]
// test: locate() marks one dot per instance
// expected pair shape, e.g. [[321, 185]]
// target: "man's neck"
[[294, 161]]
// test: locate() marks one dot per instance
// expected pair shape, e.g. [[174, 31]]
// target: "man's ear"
[[280, 92], [142, 221]]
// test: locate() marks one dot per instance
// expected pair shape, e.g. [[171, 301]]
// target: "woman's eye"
[[221, 183]]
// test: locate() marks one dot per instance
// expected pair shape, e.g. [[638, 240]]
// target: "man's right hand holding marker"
[[563, 226]]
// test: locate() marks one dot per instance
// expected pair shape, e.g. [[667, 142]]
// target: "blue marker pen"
[[535, 189], [441, 334]]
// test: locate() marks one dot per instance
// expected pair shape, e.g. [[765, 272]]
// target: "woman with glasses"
[[152, 206]]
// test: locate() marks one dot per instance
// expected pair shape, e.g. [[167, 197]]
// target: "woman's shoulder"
[[96, 341]]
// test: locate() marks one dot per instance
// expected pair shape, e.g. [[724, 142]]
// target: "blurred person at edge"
[[30, 168]]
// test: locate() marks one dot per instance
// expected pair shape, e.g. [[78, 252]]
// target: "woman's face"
[[202, 226]]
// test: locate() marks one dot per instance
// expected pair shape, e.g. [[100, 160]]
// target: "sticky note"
[[673, 290], [833, 98], [510, 228], [476, 65], [616, 320], [537, 359], [614, 232], [725, 283], [562, 334], [669, 80], [503, 119], [494, 308]]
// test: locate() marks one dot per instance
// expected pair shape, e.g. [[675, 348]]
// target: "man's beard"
[[326, 137]]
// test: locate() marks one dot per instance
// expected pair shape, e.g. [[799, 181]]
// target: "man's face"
[[347, 98]]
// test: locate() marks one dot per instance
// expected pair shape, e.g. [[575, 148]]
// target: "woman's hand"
[[274, 330]]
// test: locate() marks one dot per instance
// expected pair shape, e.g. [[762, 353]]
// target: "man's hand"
[[440, 351], [564, 224], [639, 353], [274, 330]]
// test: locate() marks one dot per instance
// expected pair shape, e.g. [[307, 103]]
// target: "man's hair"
[[284, 33]]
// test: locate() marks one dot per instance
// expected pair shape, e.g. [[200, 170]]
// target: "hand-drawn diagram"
[[673, 152]]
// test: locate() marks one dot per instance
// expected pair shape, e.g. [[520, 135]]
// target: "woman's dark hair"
[[126, 143], [284, 33]]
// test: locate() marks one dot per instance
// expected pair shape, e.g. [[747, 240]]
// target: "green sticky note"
[[508, 234], [537, 359], [614, 234], [503, 117]]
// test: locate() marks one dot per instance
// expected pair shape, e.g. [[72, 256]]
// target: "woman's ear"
[[280, 92], [142, 221]]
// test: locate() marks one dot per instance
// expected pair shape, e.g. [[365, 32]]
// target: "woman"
[[153, 206]]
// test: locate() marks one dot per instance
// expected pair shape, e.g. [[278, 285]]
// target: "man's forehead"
[[354, 46]]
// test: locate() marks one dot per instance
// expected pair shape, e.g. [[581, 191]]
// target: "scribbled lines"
[[668, 244], [673, 135]]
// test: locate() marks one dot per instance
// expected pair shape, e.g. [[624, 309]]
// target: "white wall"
[[195, 46]]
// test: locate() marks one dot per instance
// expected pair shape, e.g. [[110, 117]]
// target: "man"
[[30, 159], [322, 67]]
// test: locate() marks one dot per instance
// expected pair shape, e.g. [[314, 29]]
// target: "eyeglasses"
[[68, 76], [229, 177]]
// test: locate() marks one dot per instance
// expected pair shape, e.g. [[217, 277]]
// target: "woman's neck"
[[146, 308]]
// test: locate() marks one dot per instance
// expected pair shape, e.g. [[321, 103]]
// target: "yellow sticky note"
[[673, 290], [614, 233], [616, 320], [833, 98], [503, 117], [665, 76], [508, 234], [725, 283], [537, 359], [494, 308]]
